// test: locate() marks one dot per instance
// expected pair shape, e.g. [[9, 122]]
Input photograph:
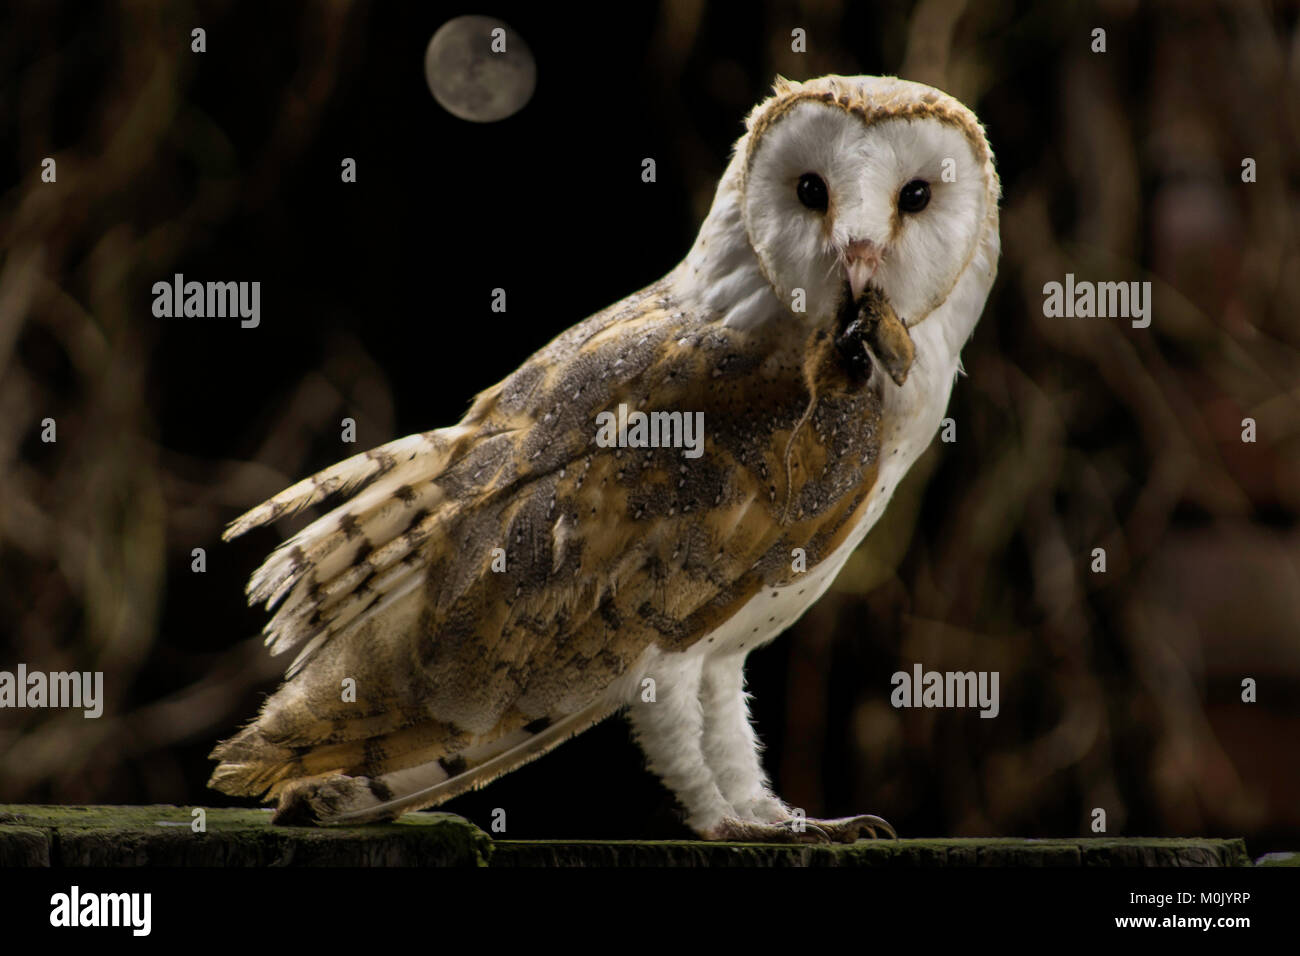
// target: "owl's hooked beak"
[[861, 258]]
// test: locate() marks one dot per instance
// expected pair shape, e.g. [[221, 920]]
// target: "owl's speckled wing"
[[486, 584]]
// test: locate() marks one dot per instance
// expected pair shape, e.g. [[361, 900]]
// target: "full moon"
[[479, 69]]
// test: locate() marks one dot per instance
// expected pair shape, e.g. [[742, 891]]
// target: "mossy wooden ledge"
[[162, 836], [1138, 851]]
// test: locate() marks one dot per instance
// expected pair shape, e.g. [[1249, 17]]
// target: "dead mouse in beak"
[[871, 323]]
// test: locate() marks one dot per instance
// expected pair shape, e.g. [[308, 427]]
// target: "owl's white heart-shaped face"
[[856, 180]]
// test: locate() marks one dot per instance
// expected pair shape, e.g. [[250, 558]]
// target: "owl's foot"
[[313, 801], [800, 830]]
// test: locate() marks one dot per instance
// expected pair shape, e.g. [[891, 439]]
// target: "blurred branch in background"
[[89, 523]]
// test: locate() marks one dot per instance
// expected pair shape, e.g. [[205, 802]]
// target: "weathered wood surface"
[[163, 836], [908, 853]]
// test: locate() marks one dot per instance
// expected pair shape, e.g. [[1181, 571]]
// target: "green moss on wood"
[[162, 836], [1279, 859]]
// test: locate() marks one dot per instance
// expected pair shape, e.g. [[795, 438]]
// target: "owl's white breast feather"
[[911, 417]]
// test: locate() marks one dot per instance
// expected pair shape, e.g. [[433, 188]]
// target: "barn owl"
[[483, 592]]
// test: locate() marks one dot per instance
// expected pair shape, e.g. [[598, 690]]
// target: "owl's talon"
[[850, 829]]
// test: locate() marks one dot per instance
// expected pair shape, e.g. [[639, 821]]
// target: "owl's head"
[[845, 181]]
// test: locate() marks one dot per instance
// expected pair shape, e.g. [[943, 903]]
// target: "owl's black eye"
[[914, 197], [812, 191]]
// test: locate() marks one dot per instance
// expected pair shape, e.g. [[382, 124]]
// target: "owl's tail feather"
[[340, 799], [342, 477], [339, 569]]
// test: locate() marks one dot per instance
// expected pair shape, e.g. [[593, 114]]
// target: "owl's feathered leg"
[[731, 749], [670, 731]]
